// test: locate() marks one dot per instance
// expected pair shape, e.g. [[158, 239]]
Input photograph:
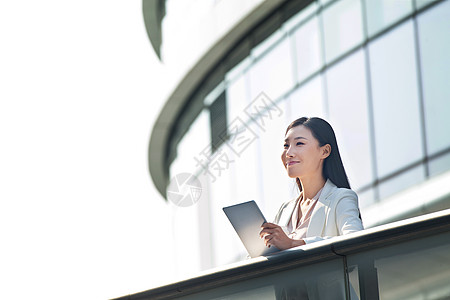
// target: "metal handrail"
[[377, 237]]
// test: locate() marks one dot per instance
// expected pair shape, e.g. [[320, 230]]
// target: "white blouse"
[[299, 231]]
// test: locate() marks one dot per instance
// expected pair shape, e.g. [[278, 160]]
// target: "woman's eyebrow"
[[296, 138]]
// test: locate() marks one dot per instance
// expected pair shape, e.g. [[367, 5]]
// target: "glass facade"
[[434, 47], [406, 270], [307, 48], [383, 13], [377, 70], [268, 72], [342, 27], [395, 99], [346, 84]]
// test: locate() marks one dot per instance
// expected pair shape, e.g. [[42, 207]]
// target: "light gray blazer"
[[336, 213]]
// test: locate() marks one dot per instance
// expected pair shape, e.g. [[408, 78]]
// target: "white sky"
[[80, 88]]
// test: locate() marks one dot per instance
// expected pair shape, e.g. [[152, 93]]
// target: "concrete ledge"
[[429, 196]]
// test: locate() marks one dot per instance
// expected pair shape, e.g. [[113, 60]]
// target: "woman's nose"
[[289, 152]]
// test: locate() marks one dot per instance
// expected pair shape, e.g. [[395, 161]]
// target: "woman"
[[326, 206]]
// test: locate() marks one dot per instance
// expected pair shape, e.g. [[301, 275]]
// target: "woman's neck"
[[311, 186]]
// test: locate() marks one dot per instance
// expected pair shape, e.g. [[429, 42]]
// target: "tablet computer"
[[247, 219]]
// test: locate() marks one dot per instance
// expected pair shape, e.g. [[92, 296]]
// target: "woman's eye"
[[286, 145], [300, 143]]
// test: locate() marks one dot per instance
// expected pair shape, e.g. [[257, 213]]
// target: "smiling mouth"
[[292, 163]]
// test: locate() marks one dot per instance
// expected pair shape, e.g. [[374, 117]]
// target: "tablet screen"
[[247, 220]]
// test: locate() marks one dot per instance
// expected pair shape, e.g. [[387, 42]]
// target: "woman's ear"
[[326, 151]]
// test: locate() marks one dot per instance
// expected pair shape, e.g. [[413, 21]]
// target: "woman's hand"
[[274, 235]]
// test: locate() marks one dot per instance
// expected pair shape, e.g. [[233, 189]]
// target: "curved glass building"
[[243, 70]]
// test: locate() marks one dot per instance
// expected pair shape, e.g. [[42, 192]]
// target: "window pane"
[[365, 199], [440, 164], [434, 39], [323, 2], [238, 69], [398, 136], [267, 43], [245, 177], [306, 101], [402, 181], [382, 13], [422, 3], [342, 27], [324, 280], [347, 100], [276, 184], [273, 73], [300, 16], [236, 94], [218, 121], [196, 140], [307, 49], [415, 269], [226, 247]]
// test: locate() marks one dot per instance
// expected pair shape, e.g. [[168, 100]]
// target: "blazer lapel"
[[318, 216], [286, 217]]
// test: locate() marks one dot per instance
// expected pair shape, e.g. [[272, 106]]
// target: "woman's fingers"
[[270, 225], [269, 228], [269, 240], [273, 234], [270, 234], [266, 231]]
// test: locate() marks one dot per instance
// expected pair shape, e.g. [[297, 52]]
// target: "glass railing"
[[409, 259]]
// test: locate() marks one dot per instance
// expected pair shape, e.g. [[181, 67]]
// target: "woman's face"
[[302, 155]]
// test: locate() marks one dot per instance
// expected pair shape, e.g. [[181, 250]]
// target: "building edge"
[[159, 145]]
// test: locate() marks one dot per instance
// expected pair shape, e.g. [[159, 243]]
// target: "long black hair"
[[333, 168]]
